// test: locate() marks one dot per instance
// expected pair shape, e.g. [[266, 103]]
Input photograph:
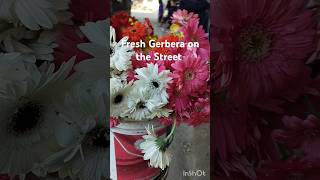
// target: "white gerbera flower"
[[43, 47], [141, 104], [155, 149], [119, 97], [32, 45], [121, 75], [12, 67], [36, 44], [97, 33], [84, 135], [27, 118], [35, 14], [121, 55], [113, 40], [155, 82], [161, 112]]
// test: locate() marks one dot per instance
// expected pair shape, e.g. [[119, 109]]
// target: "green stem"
[[172, 129]]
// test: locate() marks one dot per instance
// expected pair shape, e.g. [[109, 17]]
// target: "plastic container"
[[130, 164]]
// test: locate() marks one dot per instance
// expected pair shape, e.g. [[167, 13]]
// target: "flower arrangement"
[[166, 90], [53, 61]]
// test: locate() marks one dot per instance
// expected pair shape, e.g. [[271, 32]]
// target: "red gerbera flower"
[[136, 32], [120, 21], [263, 46]]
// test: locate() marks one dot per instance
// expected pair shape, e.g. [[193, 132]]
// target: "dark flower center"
[[116, 72], [189, 75], [111, 51], [155, 84], [194, 39], [176, 93], [25, 117], [254, 42], [141, 105], [118, 99], [98, 137]]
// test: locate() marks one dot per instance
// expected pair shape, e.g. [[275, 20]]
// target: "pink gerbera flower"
[[231, 130], [200, 112], [262, 46], [191, 73], [182, 17], [178, 100], [298, 131], [192, 32], [289, 169]]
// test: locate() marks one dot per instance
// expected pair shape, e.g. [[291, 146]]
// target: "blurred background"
[[160, 11]]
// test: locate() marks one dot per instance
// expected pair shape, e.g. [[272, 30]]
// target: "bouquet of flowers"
[[170, 91], [53, 61]]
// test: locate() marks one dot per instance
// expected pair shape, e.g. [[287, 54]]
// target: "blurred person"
[[121, 5], [161, 11], [200, 7], [172, 6]]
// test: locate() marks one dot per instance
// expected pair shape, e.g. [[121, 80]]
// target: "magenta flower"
[[301, 134], [191, 73], [182, 17], [194, 33], [261, 46], [297, 131], [231, 131], [200, 112], [179, 101], [290, 169]]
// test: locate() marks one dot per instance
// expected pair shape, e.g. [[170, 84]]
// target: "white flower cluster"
[[142, 99], [27, 26], [53, 119]]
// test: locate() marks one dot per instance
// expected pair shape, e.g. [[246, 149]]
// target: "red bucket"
[[129, 159]]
